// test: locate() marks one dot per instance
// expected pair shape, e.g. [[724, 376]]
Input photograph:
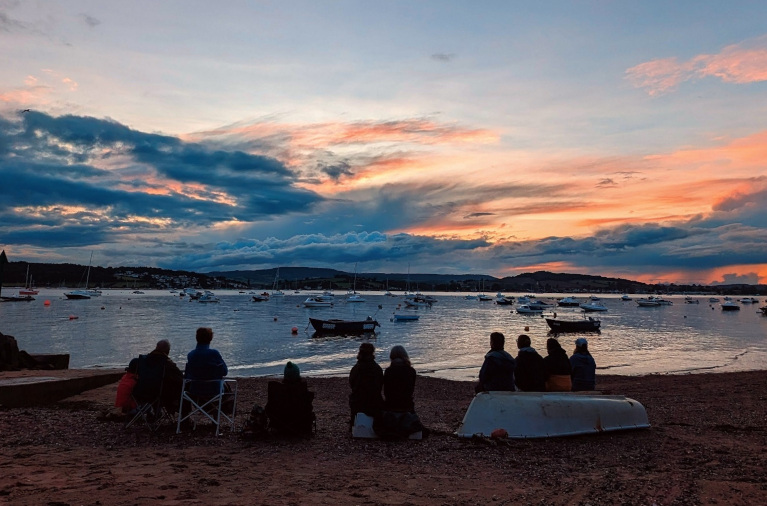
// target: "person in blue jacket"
[[205, 363], [497, 372], [584, 368]]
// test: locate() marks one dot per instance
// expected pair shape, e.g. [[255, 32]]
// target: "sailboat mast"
[[88, 275]]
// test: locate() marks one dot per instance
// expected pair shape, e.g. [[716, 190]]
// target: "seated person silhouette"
[[205, 365], [289, 404]]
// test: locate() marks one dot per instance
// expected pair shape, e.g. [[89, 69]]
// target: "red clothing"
[[124, 389]]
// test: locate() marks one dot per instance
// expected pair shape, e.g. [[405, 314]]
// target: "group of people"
[[530, 372], [386, 396]]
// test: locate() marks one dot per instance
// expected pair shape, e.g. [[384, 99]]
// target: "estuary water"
[[449, 340]]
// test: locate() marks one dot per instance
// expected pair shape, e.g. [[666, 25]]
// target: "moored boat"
[[730, 305], [583, 325], [569, 302], [344, 327], [527, 309], [539, 415], [404, 317], [317, 302], [592, 307]]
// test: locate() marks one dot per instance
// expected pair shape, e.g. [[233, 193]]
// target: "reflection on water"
[[449, 340]]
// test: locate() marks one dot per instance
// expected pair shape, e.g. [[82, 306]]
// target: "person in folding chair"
[[205, 391], [157, 388], [289, 405]]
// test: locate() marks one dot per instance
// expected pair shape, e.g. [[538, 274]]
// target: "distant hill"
[[73, 275]]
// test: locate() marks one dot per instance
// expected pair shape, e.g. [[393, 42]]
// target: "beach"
[[707, 445]]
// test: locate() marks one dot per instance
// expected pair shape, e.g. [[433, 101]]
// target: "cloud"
[[443, 57], [738, 63], [73, 170], [90, 20]]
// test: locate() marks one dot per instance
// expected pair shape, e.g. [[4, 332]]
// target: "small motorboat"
[[404, 317], [583, 325], [344, 327], [730, 305], [317, 302], [593, 307], [261, 297], [527, 309], [540, 415], [569, 302], [648, 303], [625, 297]]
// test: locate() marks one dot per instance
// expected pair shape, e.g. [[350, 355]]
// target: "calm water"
[[449, 340]]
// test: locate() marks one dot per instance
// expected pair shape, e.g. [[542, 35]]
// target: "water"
[[448, 341]]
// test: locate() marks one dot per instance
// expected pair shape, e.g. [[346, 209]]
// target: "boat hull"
[[585, 325], [541, 415], [343, 327]]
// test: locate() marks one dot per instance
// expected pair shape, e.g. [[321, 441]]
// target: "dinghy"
[[539, 415]]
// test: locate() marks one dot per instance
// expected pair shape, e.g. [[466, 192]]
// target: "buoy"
[[294, 330], [527, 329], [47, 303], [102, 308], [73, 317], [275, 318]]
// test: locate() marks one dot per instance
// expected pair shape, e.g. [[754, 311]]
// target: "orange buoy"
[[47, 303], [294, 330]]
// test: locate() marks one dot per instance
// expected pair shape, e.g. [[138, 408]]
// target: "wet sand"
[[707, 445]]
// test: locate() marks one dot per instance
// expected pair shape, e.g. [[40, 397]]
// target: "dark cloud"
[[90, 20], [55, 164], [443, 57], [477, 215]]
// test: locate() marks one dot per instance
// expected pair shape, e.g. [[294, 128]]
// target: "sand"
[[707, 445]]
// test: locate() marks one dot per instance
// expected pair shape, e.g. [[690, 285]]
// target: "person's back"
[[366, 381], [529, 375], [205, 363], [497, 371], [399, 382], [557, 369], [584, 367], [289, 404]]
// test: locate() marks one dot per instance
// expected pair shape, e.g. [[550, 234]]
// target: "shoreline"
[[707, 445]]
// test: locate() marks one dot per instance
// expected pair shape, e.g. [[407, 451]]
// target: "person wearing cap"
[[584, 367], [366, 381], [529, 375], [497, 372], [556, 368]]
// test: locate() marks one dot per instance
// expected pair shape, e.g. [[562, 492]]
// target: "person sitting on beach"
[[556, 367], [529, 375], [399, 382], [497, 371], [204, 364], [584, 367], [123, 399], [366, 381], [289, 404], [174, 378]]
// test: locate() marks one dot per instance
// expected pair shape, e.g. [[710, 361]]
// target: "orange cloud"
[[739, 63]]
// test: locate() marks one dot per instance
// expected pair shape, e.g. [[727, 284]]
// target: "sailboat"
[[28, 290], [353, 296], [84, 294], [276, 292]]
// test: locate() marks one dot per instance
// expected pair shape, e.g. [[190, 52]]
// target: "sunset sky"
[[623, 139]]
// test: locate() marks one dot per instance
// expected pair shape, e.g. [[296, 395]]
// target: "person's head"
[[581, 344], [523, 341], [497, 341], [204, 335], [399, 353], [163, 346], [132, 366], [366, 352], [291, 374], [552, 345]]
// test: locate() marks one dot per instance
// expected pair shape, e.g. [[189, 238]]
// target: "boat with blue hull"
[[344, 327]]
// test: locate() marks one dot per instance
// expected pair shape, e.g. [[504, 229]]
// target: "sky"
[[622, 139]]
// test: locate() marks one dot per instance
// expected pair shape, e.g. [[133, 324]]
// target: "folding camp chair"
[[215, 400], [147, 394], [289, 409]]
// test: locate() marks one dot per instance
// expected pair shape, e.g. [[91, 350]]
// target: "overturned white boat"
[[538, 415]]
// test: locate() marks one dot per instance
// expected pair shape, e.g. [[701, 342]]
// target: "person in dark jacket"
[[529, 374], [366, 381], [289, 404], [584, 368], [497, 372], [556, 367], [399, 382]]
